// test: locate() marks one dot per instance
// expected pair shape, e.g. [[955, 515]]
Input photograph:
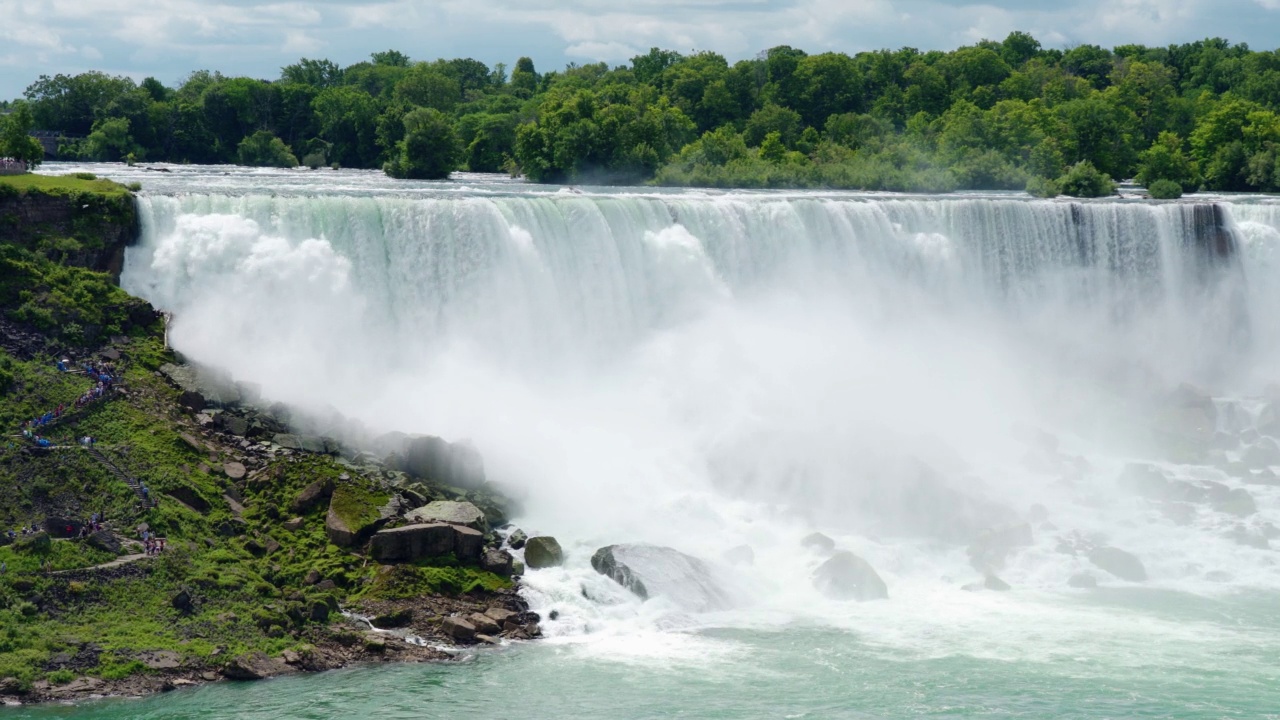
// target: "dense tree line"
[[1009, 114]]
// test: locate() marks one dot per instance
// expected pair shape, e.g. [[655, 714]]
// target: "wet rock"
[[468, 544], [740, 555], [501, 615], [650, 570], [991, 548], [496, 561], [1236, 501], [311, 496], [845, 576], [395, 619], [488, 639], [161, 659], [432, 458], [818, 543], [412, 542], [458, 629], [484, 624], [1082, 581], [991, 582], [517, 539], [233, 424], [255, 666], [1123, 565], [304, 443], [10, 686], [451, 512], [352, 517], [1263, 454], [543, 552]]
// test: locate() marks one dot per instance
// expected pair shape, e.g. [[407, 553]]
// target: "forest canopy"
[[994, 115]]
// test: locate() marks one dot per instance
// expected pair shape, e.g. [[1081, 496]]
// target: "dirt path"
[[123, 560]]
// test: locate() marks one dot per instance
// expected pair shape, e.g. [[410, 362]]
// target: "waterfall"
[[707, 370]]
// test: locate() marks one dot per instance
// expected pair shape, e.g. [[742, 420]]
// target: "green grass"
[[61, 555], [60, 185]]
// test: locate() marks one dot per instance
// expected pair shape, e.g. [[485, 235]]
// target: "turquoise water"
[[1228, 668]]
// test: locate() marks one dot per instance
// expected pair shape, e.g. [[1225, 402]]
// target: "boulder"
[[412, 542], [254, 666], [353, 515], [1262, 454], [819, 542], [484, 624], [395, 619], [458, 629], [216, 388], [991, 582], [193, 401], [305, 443], [1236, 501], [456, 464], [294, 524], [846, 576], [61, 527], [104, 540], [234, 470], [992, 547], [1082, 581], [543, 552], [10, 686], [233, 424], [496, 561], [468, 544], [451, 512], [189, 497], [311, 496], [650, 571], [501, 615], [517, 539], [1123, 565], [182, 602], [740, 555]]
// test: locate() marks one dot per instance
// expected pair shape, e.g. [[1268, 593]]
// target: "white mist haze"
[[710, 371]]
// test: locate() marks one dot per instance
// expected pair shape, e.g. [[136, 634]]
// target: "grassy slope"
[[244, 597], [62, 185]]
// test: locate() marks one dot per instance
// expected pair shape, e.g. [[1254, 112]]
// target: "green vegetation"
[[82, 186], [996, 114], [1165, 190], [15, 141]]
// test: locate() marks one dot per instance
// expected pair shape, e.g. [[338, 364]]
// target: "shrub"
[[264, 149], [1042, 187], [134, 186], [1083, 180], [85, 176], [1165, 190]]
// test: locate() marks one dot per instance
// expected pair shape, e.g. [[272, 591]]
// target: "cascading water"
[[711, 370]]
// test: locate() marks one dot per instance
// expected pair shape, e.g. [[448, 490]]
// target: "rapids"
[[706, 370]]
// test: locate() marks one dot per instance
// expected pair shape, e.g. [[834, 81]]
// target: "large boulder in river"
[[451, 512], [651, 571], [1123, 565], [846, 576], [542, 552]]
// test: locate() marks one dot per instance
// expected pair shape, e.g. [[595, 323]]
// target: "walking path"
[[122, 560]]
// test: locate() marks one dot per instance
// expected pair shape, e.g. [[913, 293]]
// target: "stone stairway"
[[123, 476]]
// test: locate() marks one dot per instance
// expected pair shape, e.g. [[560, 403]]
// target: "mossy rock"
[[354, 514]]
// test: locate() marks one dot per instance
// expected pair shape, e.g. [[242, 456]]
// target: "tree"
[[524, 79], [1165, 160], [773, 118], [348, 118], [649, 66], [425, 86], [317, 73], [390, 58], [15, 139], [263, 149], [111, 141], [70, 103], [430, 149]]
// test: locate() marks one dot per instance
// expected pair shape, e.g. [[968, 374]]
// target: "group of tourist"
[[9, 166], [104, 377], [154, 545], [22, 532]]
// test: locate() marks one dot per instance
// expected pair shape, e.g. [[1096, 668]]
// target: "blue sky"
[[169, 38]]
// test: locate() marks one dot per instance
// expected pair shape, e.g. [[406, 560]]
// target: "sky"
[[168, 39]]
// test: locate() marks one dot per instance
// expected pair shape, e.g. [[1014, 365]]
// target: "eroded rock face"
[[651, 571], [1123, 565], [846, 576], [255, 666], [543, 552]]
